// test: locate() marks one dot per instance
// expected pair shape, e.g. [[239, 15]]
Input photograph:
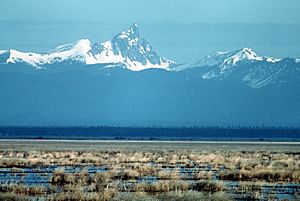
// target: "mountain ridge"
[[246, 66], [129, 50]]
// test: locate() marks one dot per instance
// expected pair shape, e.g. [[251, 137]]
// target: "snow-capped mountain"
[[245, 65], [130, 48], [88, 84], [127, 48], [78, 52]]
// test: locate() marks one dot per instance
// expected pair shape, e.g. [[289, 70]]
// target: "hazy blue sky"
[[183, 30], [126, 11]]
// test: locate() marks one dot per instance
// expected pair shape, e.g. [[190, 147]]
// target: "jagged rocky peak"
[[130, 44], [130, 49], [136, 50], [131, 33], [127, 49]]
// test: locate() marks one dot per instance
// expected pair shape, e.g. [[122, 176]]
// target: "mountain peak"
[[134, 27], [228, 58], [132, 32], [135, 51], [80, 45], [247, 52], [126, 48], [243, 54], [244, 64]]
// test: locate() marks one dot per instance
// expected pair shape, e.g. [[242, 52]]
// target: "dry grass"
[[181, 174], [162, 186], [13, 197], [22, 189], [230, 160], [174, 196], [262, 174], [208, 186]]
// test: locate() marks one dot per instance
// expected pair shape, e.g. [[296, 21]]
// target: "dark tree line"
[[152, 133]]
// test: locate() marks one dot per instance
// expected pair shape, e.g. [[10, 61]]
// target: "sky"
[[182, 30], [124, 11]]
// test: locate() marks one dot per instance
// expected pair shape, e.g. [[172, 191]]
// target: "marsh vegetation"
[[74, 170]]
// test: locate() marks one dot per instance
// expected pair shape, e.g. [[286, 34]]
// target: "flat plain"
[[148, 170]]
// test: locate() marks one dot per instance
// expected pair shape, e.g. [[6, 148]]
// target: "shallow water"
[[40, 176]]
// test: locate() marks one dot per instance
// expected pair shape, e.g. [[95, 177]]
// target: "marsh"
[[148, 170]]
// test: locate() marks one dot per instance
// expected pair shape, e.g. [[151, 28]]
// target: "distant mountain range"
[[124, 81], [126, 48], [245, 65], [131, 51]]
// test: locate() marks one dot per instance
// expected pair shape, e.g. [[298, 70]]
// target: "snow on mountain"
[[242, 55], [131, 51], [127, 48], [4, 55], [245, 65], [229, 58], [76, 52], [2, 52]]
